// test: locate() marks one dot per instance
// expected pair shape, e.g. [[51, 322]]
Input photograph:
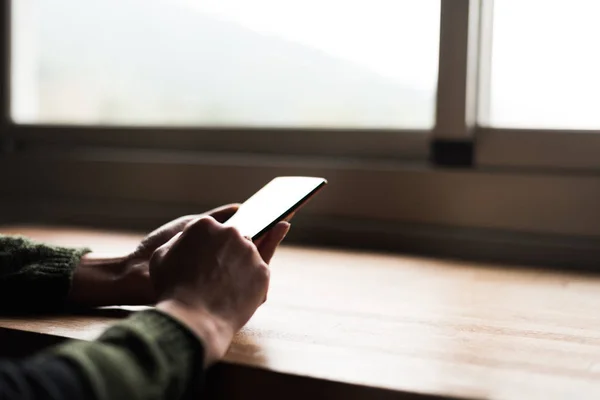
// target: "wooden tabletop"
[[408, 324]]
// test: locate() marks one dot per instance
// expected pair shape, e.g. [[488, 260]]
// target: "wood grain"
[[407, 324]]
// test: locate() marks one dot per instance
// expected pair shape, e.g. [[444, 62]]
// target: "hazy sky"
[[396, 38], [545, 60], [546, 63]]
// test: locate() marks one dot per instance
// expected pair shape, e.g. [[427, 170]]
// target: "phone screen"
[[273, 203]]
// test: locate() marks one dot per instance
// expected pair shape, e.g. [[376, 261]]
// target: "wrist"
[[214, 332], [95, 280]]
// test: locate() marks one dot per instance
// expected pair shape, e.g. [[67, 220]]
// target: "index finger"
[[223, 213], [268, 244]]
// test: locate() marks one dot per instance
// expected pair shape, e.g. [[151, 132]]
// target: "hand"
[[212, 279], [104, 281]]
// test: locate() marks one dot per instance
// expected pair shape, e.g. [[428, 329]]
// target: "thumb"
[[223, 213], [268, 244]]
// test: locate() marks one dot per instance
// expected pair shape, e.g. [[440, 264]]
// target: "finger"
[[267, 291], [268, 244], [164, 248], [220, 214], [223, 213], [201, 223], [173, 239], [289, 217], [258, 241]]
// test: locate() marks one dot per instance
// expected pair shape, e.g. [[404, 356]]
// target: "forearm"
[[148, 356], [40, 277], [94, 279], [100, 280]]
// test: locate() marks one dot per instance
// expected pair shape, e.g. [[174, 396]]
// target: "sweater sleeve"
[[49, 378], [149, 356], [35, 276]]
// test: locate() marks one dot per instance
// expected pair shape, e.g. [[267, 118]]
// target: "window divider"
[[486, 32], [5, 81], [456, 107]]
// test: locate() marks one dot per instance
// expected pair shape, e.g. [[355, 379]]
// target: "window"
[[545, 63], [259, 63], [539, 87]]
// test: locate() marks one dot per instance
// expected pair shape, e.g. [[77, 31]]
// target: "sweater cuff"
[[58, 265], [54, 275], [34, 271]]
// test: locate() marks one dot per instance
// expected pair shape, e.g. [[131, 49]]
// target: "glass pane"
[[323, 63], [545, 64]]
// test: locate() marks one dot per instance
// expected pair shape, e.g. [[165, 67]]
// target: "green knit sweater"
[[147, 356]]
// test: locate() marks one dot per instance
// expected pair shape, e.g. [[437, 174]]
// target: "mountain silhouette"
[[149, 61]]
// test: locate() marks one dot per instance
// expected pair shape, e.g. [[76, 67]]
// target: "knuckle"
[[248, 246], [200, 225], [232, 231], [263, 271], [158, 255]]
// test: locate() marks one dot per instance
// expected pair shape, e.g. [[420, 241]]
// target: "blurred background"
[[261, 63], [444, 126]]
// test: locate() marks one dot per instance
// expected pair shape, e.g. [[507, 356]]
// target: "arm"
[[207, 293], [51, 379], [157, 352], [148, 356], [37, 277]]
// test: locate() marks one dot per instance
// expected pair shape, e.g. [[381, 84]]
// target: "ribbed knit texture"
[[149, 356], [35, 276]]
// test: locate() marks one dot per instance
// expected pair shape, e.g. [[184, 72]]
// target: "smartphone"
[[274, 203]]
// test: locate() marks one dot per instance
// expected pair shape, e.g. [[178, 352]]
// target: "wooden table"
[[365, 325]]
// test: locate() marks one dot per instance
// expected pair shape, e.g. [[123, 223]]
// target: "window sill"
[[508, 216]]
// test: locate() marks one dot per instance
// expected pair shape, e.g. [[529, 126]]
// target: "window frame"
[[391, 144], [347, 143], [526, 148], [539, 149], [462, 98], [455, 102]]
